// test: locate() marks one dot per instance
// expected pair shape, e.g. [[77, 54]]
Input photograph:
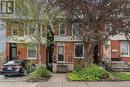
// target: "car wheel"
[[6, 75]]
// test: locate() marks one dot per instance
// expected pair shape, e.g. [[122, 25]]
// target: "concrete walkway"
[[59, 80]]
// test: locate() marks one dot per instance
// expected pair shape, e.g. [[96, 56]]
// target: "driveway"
[[12, 78], [16, 81]]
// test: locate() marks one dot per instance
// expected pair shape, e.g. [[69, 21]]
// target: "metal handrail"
[[108, 61]]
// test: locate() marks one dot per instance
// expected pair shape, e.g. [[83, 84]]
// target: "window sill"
[[62, 35], [79, 57], [125, 56], [31, 58], [60, 61]]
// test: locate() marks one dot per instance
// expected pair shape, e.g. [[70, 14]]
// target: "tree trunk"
[[88, 53], [39, 54]]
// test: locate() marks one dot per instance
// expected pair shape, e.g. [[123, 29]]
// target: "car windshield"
[[15, 62]]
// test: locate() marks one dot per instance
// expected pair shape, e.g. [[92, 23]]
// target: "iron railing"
[[107, 62]]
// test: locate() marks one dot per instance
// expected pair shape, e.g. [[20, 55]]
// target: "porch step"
[[120, 66], [62, 68]]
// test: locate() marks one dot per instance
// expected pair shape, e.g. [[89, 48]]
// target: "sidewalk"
[[59, 80]]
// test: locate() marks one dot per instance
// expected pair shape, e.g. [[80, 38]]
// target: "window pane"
[[62, 29], [108, 27], [78, 50], [16, 28], [60, 53], [3, 7], [31, 51], [124, 48], [31, 28], [75, 29]]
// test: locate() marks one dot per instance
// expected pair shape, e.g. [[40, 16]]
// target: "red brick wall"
[[22, 51], [43, 54], [68, 29], [8, 29], [55, 52], [69, 52], [126, 59], [115, 44]]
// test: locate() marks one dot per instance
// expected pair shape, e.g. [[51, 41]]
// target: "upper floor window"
[[17, 29], [75, 29], [7, 7], [62, 29], [124, 47], [31, 28], [79, 50], [108, 27]]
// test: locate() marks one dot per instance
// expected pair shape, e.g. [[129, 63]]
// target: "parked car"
[[14, 67]]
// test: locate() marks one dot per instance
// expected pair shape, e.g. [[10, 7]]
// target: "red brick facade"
[[66, 40], [115, 45], [116, 51]]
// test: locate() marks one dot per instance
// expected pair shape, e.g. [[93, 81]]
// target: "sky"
[[2, 39]]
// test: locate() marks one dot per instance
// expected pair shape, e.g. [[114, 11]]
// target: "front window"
[[79, 51], [124, 48], [62, 29], [31, 51]]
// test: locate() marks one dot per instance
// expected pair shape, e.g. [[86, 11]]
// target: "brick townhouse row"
[[67, 50]]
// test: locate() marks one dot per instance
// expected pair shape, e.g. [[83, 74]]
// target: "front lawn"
[[121, 75]]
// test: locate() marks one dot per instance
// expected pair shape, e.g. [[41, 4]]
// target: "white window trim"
[[60, 44], [31, 57], [128, 49], [60, 28], [74, 52]]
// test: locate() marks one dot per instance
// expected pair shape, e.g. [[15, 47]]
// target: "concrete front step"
[[120, 66], [121, 70]]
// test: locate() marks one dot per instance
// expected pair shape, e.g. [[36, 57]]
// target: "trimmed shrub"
[[40, 73], [30, 66], [92, 72]]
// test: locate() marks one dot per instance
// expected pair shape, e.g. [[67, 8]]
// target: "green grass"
[[121, 75]]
